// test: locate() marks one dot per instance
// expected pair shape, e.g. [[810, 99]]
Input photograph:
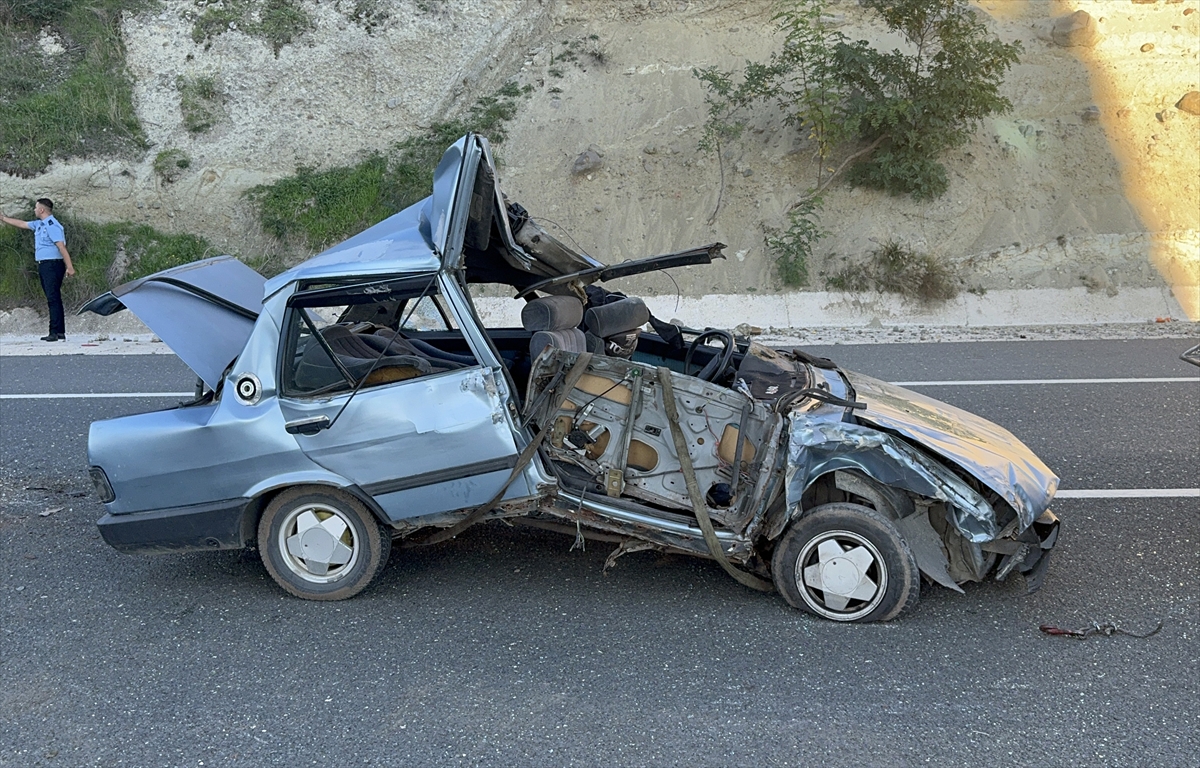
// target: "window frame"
[[327, 293]]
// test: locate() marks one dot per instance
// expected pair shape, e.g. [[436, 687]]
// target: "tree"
[[904, 108], [908, 107], [917, 105]]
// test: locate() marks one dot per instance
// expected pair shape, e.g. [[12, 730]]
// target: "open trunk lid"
[[204, 311]]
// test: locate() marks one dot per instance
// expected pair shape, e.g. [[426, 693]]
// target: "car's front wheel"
[[321, 544], [846, 562]]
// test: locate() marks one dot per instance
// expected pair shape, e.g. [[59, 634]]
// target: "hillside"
[[1090, 183]]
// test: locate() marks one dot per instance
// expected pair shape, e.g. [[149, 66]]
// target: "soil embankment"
[[1089, 184]]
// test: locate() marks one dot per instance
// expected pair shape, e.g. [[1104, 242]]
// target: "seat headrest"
[[616, 317], [552, 313], [570, 339]]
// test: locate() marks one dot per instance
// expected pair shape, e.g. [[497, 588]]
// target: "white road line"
[[96, 395], [993, 382], [1105, 493], [1130, 493]]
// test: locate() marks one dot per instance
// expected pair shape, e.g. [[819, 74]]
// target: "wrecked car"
[[357, 401]]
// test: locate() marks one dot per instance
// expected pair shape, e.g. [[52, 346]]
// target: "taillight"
[[103, 487]]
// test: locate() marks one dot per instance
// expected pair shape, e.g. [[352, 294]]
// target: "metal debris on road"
[[1107, 629]]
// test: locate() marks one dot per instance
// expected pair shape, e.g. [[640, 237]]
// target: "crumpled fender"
[[984, 449], [817, 447]]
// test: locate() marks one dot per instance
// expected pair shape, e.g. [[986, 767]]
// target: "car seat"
[[439, 358], [613, 328], [554, 321], [358, 354]]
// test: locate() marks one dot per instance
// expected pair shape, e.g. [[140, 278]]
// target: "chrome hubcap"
[[318, 543], [841, 575]]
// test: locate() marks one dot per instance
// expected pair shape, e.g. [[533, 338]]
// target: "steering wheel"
[[718, 364]]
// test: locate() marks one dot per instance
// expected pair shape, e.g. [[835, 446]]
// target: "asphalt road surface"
[[503, 648]]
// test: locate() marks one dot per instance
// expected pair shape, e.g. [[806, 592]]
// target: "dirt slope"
[[1043, 197]]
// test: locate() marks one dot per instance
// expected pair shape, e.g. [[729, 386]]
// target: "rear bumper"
[[210, 526]]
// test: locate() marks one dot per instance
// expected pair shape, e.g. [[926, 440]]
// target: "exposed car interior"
[[363, 335], [394, 330], [834, 488], [609, 437]]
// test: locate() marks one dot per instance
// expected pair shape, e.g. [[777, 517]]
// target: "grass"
[[201, 102], [280, 22], [214, 20], [369, 14], [895, 268], [75, 103], [314, 209], [570, 54], [276, 22], [170, 164], [104, 256]]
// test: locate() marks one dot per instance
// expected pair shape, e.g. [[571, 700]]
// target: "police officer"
[[54, 263]]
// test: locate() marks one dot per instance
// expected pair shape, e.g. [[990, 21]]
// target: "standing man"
[[54, 263]]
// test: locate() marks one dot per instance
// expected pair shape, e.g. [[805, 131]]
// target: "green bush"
[[895, 268], [900, 169], [792, 248], [917, 105], [908, 107], [314, 209], [94, 249], [74, 104]]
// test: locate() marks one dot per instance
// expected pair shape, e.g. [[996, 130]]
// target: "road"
[[501, 647]]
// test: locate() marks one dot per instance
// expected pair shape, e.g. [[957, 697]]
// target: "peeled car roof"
[[399, 244]]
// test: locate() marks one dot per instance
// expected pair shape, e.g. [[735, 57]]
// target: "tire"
[[321, 544], [846, 562]]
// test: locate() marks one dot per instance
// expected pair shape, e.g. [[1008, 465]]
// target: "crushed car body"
[[357, 400]]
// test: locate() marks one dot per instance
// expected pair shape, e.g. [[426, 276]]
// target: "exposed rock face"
[[1078, 29], [1190, 103], [588, 160], [1022, 181]]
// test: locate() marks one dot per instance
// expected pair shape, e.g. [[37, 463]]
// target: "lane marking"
[[1130, 493], [994, 382], [1083, 493], [96, 395]]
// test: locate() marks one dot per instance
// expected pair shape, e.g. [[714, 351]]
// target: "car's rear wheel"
[[846, 562], [321, 544]]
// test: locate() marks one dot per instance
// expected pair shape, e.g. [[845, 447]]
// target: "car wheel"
[[321, 544], [846, 562]]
